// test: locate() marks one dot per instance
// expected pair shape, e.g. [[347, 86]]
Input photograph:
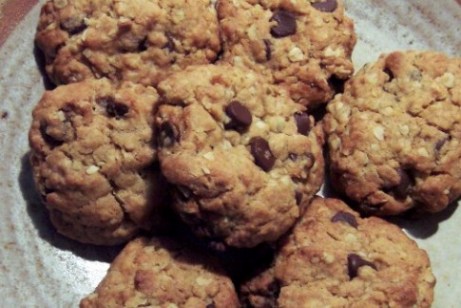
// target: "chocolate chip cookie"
[[334, 258], [161, 272], [243, 156], [304, 46], [394, 134], [93, 160], [140, 41]]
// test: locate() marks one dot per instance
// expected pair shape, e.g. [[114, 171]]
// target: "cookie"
[[140, 41], [303, 46], [163, 273], [334, 258], [394, 134], [242, 155], [93, 159]]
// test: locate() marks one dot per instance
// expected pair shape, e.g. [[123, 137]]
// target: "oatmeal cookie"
[[163, 273], [394, 135], [334, 258], [243, 156], [131, 40], [304, 46], [93, 160]]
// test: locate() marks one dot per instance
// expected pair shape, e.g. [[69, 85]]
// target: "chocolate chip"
[[167, 135], [354, 262], [303, 122], [218, 57], [268, 48], [211, 305], [298, 197], [240, 116], [345, 217], [73, 25], [116, 110], [51, 141], [143, 45], [326, 6], [113, 108], [262, 153], [293, 156], [336, 84], [286, 24], [401, 190], [389, 73], [47, 190], [439, 144]]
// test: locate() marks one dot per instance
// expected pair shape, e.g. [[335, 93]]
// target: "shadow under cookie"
[[40, 219]]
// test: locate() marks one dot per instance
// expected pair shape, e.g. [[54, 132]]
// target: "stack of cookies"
[[199, 132]]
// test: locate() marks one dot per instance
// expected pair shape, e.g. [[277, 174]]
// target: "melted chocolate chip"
[[303, 122], [401, 190], [116, 110], [439, 145], [218, 57], [143, 45], [45, 192], [268, 49], [167, 135], [73, 25], [336, 84], [345, 217], [326, 6], [298, 197], [52, 142], [211, 305], [389, 73], [113, 108], [354, 262], [262, 153], [286, 24], [240, 116]]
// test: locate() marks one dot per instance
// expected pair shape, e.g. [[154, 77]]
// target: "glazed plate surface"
[[39, 268]]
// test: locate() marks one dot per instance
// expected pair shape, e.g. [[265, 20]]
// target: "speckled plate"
[[39, 268]]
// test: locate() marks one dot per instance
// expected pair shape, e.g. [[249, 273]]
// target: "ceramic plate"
[[39, 268]]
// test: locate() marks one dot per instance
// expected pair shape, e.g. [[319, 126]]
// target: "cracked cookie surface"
[[93, 158], [131, 40], [243, 156], [304, 46], [163, 273], [394, 134], [334, 258]]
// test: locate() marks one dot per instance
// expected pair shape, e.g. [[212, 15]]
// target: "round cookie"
[[132, 40], [242, 155], [334, 258], [163, 273], [394, 134], [93, 160], [304, 46]]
